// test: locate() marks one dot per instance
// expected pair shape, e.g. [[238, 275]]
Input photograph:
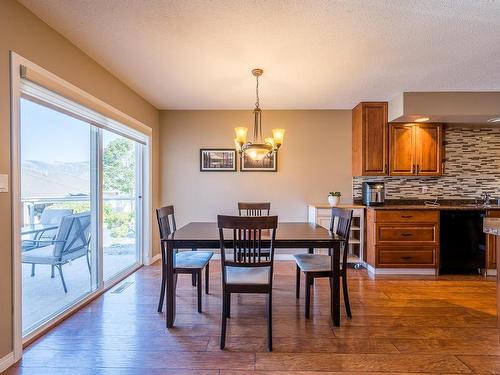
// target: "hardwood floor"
[[399, 325]]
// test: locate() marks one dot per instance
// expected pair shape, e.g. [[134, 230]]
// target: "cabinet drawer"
[[422, 257], [412, 216], [406, 233]]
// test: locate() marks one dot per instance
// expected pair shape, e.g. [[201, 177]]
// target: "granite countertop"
[[465, 205], [491, 225]]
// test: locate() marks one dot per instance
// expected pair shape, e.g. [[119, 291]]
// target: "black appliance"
[[373, 193], [463, 243]]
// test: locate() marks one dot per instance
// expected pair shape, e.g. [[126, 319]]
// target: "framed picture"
[[217, 160], [268, 164]]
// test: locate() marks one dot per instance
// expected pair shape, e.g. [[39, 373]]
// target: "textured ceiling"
[[196, 54]]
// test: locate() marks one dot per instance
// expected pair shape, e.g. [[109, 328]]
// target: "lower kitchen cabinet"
[[492, 246], [402, 239]]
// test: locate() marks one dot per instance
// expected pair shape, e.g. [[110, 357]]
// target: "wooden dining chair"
[[185, 262], [244, 271], [320, 265], [254, 209]]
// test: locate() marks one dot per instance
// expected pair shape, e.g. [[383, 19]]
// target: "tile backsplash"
[[472, 167]]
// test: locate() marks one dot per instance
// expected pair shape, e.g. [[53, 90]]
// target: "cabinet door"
[[492, 244], [374, 139], [429, 149], [402, 149]]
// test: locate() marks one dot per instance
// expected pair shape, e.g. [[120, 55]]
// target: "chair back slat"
[[341, 226], [254, 209], [247, 240]]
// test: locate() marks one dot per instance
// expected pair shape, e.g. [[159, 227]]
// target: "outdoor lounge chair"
[[71, 242]]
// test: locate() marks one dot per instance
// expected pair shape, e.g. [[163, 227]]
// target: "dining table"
[[289, 235]]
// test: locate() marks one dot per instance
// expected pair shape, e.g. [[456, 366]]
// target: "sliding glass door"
[[81, 190], [121, 196]]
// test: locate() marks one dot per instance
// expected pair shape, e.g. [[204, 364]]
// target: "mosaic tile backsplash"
[[472, 167]]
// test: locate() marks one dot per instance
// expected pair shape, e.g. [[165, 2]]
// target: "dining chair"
[[320, 265], [254, 209], [244, 271], [185, 262]]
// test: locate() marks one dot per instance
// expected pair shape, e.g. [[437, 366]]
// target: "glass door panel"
[[121, 203], [58, 201]]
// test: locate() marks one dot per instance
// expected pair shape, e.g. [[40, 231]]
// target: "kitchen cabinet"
[[415, 149], [399, 239], [370, 139], [492, 246]]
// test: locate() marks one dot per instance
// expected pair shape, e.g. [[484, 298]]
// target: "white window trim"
[[144, 133]]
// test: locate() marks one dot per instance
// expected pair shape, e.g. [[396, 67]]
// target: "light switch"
[[4, 183]]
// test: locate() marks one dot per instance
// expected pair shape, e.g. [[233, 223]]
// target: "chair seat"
[[192, 259], [314, 262], [40, 255], [247, 275]]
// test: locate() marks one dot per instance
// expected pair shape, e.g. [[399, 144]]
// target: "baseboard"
[[401, 271], [150, 261], [6, 362]]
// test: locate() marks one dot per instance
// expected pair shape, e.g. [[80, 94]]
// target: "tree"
[[119, 166]]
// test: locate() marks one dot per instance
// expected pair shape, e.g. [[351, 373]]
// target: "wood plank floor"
[[400, 325]]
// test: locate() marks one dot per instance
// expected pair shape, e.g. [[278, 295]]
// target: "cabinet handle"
[[413, 168], [406, 257], [406, 216], [406, 234], [418, 168]]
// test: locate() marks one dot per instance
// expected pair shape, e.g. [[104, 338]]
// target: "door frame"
[[146, 256]]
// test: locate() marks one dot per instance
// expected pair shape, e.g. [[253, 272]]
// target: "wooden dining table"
[[296, 235]]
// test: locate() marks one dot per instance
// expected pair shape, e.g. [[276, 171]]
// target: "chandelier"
[[258, 149]]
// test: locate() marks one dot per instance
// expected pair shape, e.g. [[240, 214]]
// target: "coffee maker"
[[373, 193]]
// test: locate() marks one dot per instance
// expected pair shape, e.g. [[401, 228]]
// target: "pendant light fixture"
[[258, 149]]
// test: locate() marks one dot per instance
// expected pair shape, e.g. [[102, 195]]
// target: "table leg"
[[171, 281], [335, 285]]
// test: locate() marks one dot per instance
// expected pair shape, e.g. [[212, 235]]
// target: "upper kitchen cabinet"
[[369, 139], [415, 149]]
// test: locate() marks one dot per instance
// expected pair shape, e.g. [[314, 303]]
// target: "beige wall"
[[315, 159], [27, 35]]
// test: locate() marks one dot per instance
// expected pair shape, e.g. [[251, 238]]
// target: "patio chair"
[[71, 242], [50, 216]]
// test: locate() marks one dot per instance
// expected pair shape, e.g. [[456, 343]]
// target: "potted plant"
[[334, 198]]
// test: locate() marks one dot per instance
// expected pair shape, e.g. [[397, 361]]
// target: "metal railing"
[[29, 204]]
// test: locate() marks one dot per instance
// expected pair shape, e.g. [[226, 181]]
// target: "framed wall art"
[[217, 160], [268, 164]]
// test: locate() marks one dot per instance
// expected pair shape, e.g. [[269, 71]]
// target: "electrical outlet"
[[424, 189]]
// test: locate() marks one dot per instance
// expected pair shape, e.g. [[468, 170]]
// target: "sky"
[[51, 136]]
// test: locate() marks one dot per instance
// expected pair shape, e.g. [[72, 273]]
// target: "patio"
[[44, 297]]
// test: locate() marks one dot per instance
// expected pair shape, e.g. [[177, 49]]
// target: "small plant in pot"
[[334, 198]]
